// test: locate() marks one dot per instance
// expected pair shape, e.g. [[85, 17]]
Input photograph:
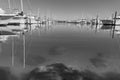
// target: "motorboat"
[[4, 18]]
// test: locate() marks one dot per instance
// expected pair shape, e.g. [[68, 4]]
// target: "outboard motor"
[[20, 14]]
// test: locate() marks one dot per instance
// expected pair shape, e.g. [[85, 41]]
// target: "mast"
[[9, 5], [22, 5], [38, 15]]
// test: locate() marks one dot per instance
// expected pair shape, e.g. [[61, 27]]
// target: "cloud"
[[1, 11]]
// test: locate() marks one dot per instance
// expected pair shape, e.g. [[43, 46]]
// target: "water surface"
[[79, 46]]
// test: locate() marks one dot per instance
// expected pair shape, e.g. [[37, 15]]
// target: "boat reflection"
[[20, 30], [10, 30], [117, 30], [35, 42], [16, 27], [5, 33], [106, 27], [114, 30]]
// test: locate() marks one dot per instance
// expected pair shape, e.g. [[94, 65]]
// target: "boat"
[[21, 18], [32, 20], [4, 18], [107, 22], [18, 19], [12, 18], [117, 20]]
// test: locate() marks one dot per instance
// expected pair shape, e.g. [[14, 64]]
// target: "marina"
[[59, 40]]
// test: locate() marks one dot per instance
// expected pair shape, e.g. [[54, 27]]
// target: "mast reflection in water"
[[76, 45]]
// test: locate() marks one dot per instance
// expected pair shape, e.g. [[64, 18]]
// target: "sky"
[[67, 9]]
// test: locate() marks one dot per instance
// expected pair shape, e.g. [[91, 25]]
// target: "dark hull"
[[107, 22]]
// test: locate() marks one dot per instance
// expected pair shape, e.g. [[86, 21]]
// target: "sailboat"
[[5, 17], [18, 19], [32, 19], [118, 20]]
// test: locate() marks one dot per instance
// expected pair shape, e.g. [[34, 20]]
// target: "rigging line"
[[14, 7], [9, 4], [29, 5], [21, 5]]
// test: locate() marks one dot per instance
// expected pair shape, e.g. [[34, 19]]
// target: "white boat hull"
[[17, 20], [118, 22], [4, 18], [32, 20], [3, 22], [117, 28]]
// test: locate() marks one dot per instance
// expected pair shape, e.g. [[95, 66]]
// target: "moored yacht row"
[[19, 17], [16, 19]]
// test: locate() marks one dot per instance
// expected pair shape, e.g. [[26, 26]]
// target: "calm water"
[[78, 46]]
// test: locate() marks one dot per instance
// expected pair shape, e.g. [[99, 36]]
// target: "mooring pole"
[[114, 24], [97, 20], [96, 23]]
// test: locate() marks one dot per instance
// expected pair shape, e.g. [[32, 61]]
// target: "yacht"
[[118, 20], [4, 18], [18, 19], [107, 22], [32, 20], [15, 18]]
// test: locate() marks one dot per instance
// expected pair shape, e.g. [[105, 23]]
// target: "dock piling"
[[114, 24]]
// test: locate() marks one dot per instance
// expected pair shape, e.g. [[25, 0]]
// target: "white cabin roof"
[[7, 14]]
